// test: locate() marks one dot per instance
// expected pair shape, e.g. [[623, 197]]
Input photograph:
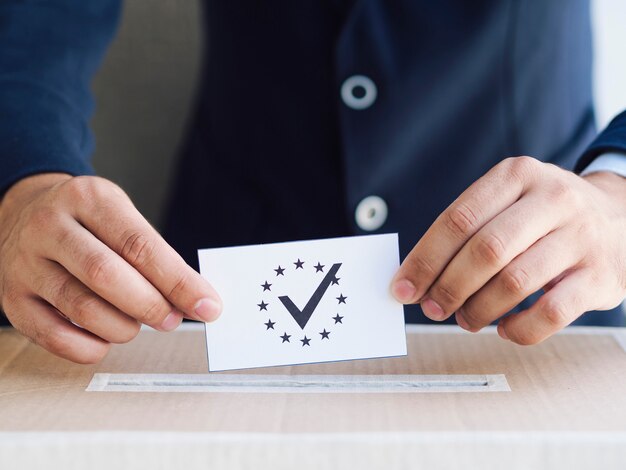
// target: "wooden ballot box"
[[458, 400]]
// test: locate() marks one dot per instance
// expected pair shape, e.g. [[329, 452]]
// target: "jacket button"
[[371, 213], [358, 92]]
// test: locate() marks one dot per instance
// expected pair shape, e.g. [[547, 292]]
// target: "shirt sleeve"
[[49, 52], [613, 162], [611, 140]]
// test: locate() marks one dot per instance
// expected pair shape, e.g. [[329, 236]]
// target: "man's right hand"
[[81, 268]]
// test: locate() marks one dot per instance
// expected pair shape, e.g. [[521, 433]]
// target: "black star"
[[262, 306], [299, 264], [286, 337], [266, 286], [325, 334], [338, 319], [319, 267], [279, 271], [305, 341], [270, 324], [335, 281], [341, 299]]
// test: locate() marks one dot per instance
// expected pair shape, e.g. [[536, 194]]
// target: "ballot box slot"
[[262, 383]]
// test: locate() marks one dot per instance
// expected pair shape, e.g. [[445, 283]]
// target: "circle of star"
[[293, 333]]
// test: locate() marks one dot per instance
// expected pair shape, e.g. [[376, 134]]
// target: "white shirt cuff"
[[613, 162]]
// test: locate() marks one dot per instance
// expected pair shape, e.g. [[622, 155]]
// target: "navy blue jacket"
[[275, 153]]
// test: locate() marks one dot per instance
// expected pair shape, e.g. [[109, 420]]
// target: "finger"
[[40, 322], [109, 276], [553, 311], [510, 233], [130, 235], [498, 189], [82, 306], [543, 262]]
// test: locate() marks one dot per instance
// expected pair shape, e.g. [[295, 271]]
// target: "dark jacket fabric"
[[275, 153]]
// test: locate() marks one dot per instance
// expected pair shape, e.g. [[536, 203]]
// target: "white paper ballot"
[[303, 302]]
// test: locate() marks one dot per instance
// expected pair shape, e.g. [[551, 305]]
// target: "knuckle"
[[421, 265], [55, 340], [446, 296], [472, 318], [52, 288], [63, 290], [111, 188], [556, 314], [520, 168], [154, 313], [84, 307], [515, 281], [88, 190], [138, 249], [61, 342], [524, 337], [461, 221], [80, 189], [180, 286], [489, 249], [98, 269]]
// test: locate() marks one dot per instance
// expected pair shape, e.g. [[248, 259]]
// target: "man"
[[321, 118]]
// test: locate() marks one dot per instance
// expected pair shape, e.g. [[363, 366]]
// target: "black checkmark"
[[302, 316]]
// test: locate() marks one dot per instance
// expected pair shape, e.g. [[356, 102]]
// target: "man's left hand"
[[524, 226]]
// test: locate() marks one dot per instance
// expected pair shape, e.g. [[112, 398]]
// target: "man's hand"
[[80, 268], [524, 226]]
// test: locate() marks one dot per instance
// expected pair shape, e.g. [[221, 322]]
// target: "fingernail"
[[172, 321], [461, 321], [403, 290], [432, 309], [208, 309]]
